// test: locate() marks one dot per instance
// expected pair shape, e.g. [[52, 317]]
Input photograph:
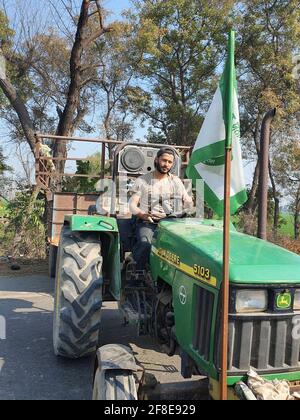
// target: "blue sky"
[[116, 6]]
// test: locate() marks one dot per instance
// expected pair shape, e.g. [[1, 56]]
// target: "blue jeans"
[[142, 249]]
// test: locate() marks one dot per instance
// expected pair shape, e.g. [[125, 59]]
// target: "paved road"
[[28, 368]]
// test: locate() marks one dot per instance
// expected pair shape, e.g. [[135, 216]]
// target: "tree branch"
[[20, 108], [4, 198], [76, 84]]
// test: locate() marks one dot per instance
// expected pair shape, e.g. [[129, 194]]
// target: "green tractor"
[[177, 299]]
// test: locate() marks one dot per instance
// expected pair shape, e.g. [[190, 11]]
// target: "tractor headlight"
[[251, 301], [297, 300]]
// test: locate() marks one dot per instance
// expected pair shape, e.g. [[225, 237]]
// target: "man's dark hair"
[[167, 150]]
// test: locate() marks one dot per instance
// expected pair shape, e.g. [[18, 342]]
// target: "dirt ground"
[[27, 267]]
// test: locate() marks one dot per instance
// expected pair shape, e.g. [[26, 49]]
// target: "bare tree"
[[90, 27]]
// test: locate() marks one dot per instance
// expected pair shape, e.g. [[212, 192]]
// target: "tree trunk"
[[68, 119], [184, 131], [251, 204], [73, 97], [276, 203], [276, 216], [107, 129]]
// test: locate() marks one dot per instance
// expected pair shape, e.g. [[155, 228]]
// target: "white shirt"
[[161, 198]]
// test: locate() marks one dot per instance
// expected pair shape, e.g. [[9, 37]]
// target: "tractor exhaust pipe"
[[264, 174]]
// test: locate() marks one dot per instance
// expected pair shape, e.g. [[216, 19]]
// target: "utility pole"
[[227, 214]]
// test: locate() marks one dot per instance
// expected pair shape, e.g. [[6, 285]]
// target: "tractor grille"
[[203, 322], [265, 344]]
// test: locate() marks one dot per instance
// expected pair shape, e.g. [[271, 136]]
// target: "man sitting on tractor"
[[157, 196]]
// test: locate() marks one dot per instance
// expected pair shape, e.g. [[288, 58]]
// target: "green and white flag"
[[208, 158]]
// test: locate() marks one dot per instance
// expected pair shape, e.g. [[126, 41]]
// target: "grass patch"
[[3, 208], [287, 228]]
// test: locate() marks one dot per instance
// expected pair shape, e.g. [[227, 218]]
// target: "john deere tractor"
[[177, 299]]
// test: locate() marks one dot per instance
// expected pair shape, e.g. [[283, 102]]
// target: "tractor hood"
[[198, 244]]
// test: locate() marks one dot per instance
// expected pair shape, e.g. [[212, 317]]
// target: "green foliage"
[[114, 81], [3, 165], [5, 45], [3, 208], [5, 183], [24, 231], [18, 211], [268, 36], [6, 33], [16, 68], [84, 185], [287, 227], [180, 44]]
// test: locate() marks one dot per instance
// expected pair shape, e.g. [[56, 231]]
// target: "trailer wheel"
[[114, 385], [78, 294]]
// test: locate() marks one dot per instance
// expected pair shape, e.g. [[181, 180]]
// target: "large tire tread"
[[78, 297]]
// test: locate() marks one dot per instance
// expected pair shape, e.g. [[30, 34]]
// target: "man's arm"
[[135, 210]]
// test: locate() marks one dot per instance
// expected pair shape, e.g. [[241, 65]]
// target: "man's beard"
[[162, 171]]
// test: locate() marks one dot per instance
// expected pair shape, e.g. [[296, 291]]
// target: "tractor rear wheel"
[[78, 294], [114, 385]]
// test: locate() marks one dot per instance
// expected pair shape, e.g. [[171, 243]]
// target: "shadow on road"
[[146, 350]]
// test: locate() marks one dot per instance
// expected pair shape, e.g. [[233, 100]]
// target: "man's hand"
[[133, 205], [145, 217]]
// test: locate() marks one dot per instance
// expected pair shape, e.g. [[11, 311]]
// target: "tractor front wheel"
[[78, 294]]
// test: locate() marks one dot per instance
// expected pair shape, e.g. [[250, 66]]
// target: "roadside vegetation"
[[22, 231]]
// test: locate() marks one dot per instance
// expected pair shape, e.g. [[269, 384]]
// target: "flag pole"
[[227, 214]]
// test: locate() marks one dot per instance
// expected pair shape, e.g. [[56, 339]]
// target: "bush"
[[291, 245], [23, 233]]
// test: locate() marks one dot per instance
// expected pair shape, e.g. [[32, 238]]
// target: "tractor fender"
[[115, 357]]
